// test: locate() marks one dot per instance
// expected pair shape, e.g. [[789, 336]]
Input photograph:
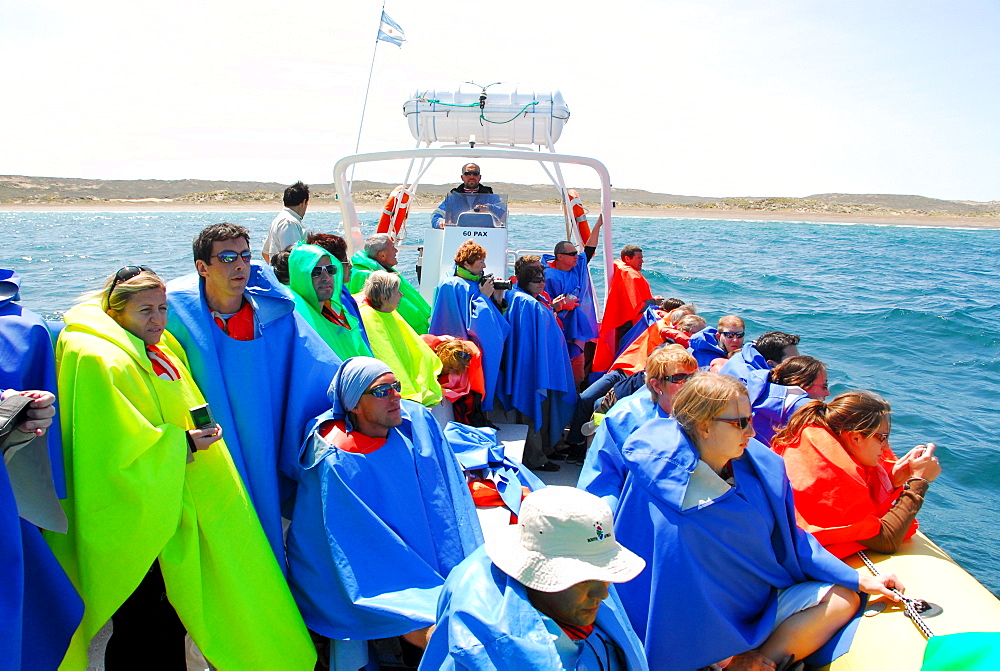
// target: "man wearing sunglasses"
[[262, 368], [381, 516], [470, 187], [722, 342], [286, 229]]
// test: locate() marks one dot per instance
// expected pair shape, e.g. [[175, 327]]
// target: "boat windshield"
[[478, 210]]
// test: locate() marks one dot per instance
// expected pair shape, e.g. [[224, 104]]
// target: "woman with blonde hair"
[[850, 490], [668, 368], [162, 536], [710, 510]]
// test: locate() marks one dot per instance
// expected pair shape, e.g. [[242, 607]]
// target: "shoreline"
[[902, 219]]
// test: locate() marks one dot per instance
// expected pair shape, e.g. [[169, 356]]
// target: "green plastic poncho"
[[415, 365], [413, 308], [134, 498], [346, 342]]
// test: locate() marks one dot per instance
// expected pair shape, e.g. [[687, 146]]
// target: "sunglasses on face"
[[383, 390], [733, 334], [739, 422], [318, 270], [881, 436], [125, 274], [566, 253], [469, 173], [229, 257], [676, 378]]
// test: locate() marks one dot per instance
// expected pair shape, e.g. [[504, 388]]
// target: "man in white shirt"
[[286, 229]]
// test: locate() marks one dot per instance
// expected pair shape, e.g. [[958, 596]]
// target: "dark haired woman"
[[850, 490]]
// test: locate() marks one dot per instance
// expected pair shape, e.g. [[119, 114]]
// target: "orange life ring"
[[394, 215], [579, 215]]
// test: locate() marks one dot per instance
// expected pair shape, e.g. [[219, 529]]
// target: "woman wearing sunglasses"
[[162, 535], [710, 510], [850, 490], [667, 370]]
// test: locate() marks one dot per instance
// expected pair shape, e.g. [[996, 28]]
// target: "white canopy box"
[[507, 116]]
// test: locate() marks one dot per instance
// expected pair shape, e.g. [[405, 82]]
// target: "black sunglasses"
[[318, 270], [229, 257], [732, 334], [739, 422], [676, 377], [467, 173], [125, 274]]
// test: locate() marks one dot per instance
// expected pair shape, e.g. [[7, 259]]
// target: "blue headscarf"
[[350, 382]]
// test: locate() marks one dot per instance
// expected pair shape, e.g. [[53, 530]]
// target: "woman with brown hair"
[[463, 308], [710, 510], [850, 490]]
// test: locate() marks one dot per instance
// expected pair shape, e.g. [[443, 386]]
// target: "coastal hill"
[[22, 190]]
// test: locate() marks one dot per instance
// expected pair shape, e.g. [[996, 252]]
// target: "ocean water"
[[911, 313]]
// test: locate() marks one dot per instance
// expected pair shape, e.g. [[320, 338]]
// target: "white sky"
[[711, 98]]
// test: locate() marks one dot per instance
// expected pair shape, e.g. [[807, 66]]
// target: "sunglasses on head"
[[732, 334], [739, 422], [125, 274], [468, 173], [383, 390], [676, 377], [463, 355], [229, 257], [318, 270]]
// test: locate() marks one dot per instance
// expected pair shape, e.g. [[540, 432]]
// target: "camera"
[[502, 285]]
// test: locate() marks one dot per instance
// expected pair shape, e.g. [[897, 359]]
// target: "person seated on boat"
[[336, 247], [603, 473], [767, 351], [851, 491], [463, 308], [286, 228], [540, 596], [568, 277], [381, 516], [162, 535], [381, 253], [396, 343], [461, 377], [537, 379], [710, 510], [262, 368], [464, 198], [805, 372], [316, 283], [662, 331], [721, 342], [39, 607], [628, 297]]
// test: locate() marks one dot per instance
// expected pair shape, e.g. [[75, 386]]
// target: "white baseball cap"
[[564, 536]]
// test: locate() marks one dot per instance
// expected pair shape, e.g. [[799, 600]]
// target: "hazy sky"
[[712, 98]]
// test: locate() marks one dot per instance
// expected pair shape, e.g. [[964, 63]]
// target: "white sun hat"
[[564, 536]]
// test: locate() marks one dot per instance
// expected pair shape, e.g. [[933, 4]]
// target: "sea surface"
[[911, 313]]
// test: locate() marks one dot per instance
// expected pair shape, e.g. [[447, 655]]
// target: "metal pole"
[[364, 105]]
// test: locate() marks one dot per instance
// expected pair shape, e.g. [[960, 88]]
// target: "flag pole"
[[364, 106]]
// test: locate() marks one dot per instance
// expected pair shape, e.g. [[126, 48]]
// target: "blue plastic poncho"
[[773, 404], [705, 348], [478, 449], [373, 536], [461, 310], [536, 364], [39, 608], [603, 473], [718, 564], [485, 621], [580, 323], [744, 361], [263, 392]]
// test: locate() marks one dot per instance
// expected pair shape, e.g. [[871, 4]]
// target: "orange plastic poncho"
[[633, 359], [836, 499], [627, 297]]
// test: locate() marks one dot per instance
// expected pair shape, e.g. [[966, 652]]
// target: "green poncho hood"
[[345, 342], [412, 307]]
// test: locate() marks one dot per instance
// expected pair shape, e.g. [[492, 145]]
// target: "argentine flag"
[[389, 31]]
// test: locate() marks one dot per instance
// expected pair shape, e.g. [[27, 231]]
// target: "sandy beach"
[[166, 205]]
